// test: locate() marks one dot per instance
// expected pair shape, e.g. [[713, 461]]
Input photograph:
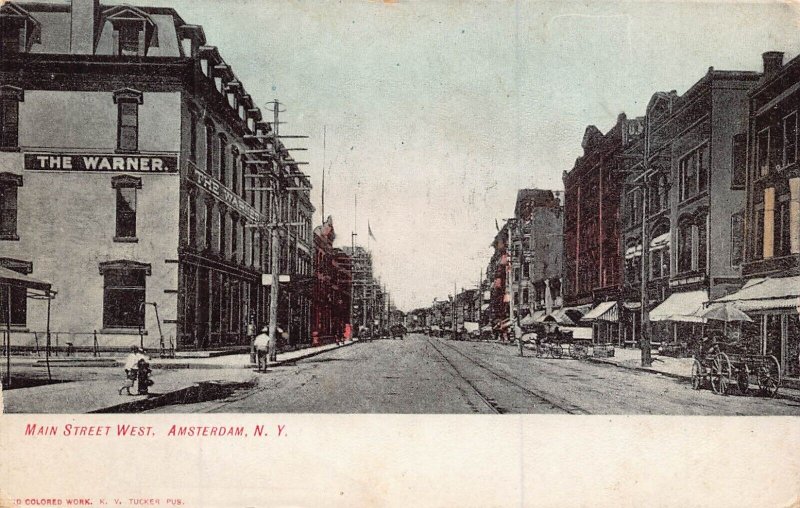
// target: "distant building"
[[592, 244], [332, 286], [365, 305]]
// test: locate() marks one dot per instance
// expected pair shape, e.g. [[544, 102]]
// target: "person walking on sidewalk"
[[261, 343], [131, 367]]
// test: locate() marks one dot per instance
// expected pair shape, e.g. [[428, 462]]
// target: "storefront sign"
[[224, 194], [101, 163]]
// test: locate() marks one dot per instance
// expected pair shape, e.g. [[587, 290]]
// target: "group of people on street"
[[137, 370]]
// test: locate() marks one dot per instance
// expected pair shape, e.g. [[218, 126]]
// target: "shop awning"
[[660, 241], [633, 251], [527, 320], [539, 315], [771, 293], [632, 305], [485, 306], [10, 277], [606, 311], [681, 307]]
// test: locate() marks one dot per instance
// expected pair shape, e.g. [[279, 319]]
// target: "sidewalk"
[[233, 361], [678, 368], [179, 380]]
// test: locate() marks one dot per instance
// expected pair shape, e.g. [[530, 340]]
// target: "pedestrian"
[[261, 343], [131, 368]]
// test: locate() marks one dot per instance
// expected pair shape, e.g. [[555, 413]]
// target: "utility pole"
[[647, 359], [276, 222]]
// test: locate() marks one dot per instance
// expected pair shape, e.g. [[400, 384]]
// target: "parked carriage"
[[723, 370], [562, 345]]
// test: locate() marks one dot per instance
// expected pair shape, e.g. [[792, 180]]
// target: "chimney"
[[773, 60], [84, 15]]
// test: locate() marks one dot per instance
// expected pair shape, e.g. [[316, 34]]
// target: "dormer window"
[[134, 30], [18, 29], [128, 39]]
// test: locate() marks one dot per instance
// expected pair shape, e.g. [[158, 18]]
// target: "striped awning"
[[606, 311]]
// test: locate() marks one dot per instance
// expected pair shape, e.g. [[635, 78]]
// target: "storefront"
[[605, 323], [773, 303]]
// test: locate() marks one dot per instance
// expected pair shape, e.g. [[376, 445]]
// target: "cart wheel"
[[769, 376], [721, 375], [743, 379], [698, 374]]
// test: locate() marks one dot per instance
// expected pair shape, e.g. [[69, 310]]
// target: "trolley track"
[[546, 399]]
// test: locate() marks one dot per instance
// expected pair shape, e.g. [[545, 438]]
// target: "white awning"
[[660, 241], [681, 307], [484, 306], [632, 252], [606, 311], [770, 288]]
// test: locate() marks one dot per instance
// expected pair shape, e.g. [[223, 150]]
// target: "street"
[[430, 375]]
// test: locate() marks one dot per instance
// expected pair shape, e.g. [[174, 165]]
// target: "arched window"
[[659, 251]]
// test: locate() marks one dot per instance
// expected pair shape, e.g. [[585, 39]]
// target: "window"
[[702, 244], [8, 205], [223, 233], [782, 242], [123, 293], [191, 219], [19, 295], [659, 252], [762, 152], [128, 102], [758, 227], [633, 208], [737, 238], [128, 38], [223, 158], [10, 97], [234, 237], [693, 172], [209, 223], [739, 163], [192, 135], [685, 239], [209, 148], [11, 37], [125, 187], [526, 270], [525, 296], [235, 170], [790, 139]]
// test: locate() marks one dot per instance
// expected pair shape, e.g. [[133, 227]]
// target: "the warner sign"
[[99, 162]]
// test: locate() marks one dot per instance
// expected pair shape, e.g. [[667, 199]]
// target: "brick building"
[[332, 286], [772, 215], [592, 245], [144, 131]]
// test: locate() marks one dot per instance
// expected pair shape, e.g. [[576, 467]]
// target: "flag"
[[369, 231]]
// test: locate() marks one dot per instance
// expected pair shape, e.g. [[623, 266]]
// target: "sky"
[[435, 113]]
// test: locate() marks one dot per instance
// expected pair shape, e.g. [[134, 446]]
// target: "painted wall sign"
[[224, 194], [99, 162]]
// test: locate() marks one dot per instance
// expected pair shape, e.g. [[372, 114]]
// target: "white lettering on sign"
[[222, 193], [92, 162]]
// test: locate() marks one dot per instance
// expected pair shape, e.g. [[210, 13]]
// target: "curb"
[[686, 379]]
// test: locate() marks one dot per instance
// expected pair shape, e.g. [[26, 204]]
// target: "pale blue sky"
[[437, 112]]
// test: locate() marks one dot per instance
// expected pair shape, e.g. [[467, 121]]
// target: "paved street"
[[429, 375]]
